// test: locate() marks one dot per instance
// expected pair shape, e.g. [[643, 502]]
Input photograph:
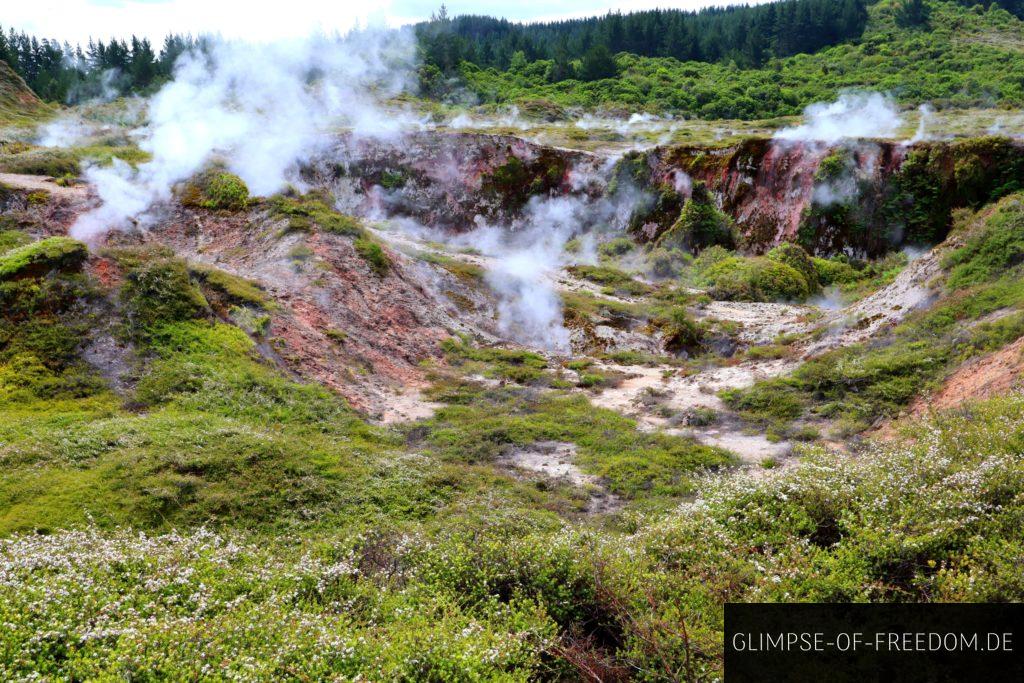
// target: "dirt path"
[[75, 193]]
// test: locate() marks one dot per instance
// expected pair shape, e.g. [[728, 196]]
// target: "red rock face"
[[336, 322], [766, 186], [778, 192], [106, 271]]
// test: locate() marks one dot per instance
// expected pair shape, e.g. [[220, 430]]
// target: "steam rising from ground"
[[853, 115], [259, 109], [927, 118], [523, 259], [64, 131]]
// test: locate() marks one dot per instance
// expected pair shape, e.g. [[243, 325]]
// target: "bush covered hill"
[[962, 56], [748, 35], [734, 63]]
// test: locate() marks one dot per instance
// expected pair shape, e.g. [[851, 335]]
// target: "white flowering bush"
[[496, 594], [85, 604]]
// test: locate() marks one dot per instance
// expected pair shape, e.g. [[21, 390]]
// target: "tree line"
[[579, 47], [59, 71]]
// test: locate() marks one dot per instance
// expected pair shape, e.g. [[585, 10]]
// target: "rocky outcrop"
[[333, 319], [859, 197], [450, 180]]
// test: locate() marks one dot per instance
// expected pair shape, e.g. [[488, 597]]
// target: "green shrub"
[[730, 279], [735, 278], [682, 332], [161, 291], [392, 180], [616, 247], [373, 254], [667, 263], [708, 258], [794, 256], [701, 224], [776, 281], [226, 191], [833, 271], [217, 190], [766, 401]]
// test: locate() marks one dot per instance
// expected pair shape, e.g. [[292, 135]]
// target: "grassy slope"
[[980, 309], [18, 104], [496, 594], [964, 59]]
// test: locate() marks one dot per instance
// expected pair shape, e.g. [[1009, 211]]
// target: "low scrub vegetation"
[[857, 385], [216, 189], [539, 599]]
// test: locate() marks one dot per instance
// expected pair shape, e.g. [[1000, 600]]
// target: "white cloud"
[[78, 20]]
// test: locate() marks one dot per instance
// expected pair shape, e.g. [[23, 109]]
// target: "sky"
[[78, 20]]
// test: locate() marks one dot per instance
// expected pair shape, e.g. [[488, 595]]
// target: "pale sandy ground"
[[35, 182], [646, 392]]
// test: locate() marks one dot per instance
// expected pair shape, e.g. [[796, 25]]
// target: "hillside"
[[18, 104], [315, 444], [304, 377], [964, 57]]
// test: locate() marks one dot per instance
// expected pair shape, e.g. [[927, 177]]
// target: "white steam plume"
[[259, 108], [64, 131], [522, 259], [682, 182], [927, 117], [853, 115]]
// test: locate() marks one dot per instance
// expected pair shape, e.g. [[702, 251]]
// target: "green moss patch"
[[374, 255], [234, 289], [218, 190], [38, 258], [304, 212]]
